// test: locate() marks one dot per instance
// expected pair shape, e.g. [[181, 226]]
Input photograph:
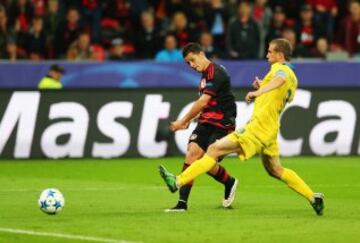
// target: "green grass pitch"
[[123, 200]]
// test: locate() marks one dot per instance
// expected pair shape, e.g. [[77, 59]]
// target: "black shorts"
[[205, 134]]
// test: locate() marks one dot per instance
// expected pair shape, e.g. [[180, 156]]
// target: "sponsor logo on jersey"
[[239, 131]]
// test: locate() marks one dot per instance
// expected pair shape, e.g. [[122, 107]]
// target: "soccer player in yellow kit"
[[259, 135]]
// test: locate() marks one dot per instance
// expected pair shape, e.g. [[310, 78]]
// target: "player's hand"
[[250, 97], [256, 83], [178, 125]]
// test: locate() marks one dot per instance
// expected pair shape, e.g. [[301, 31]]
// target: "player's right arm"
[[195, 110], [273, 84]]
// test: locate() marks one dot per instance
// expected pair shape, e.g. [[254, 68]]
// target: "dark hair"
[[283, 46], [191, 47], [57, 68]]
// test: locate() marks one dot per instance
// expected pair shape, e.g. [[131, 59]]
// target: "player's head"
[[279, 51], [195, 57]]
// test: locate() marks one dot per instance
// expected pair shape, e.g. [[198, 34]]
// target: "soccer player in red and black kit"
[[216, 112]]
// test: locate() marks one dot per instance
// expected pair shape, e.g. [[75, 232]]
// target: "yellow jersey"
[[265, 121], [49, 83]]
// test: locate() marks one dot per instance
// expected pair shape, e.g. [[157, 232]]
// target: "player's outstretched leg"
[[169, 179], [318, 203], [197, 168]]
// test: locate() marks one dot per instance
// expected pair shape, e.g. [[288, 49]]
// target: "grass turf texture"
[[124, 200]]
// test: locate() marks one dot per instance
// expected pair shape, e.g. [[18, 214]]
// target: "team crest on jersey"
[[193, 136], [203, 83], [239, 131]]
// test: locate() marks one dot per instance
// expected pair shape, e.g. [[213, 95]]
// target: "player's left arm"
[[273, 84]]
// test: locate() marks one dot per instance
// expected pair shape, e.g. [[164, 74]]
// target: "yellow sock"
[[297, 184], [197, 168]]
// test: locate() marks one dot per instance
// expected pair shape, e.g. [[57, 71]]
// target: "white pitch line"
[[63, 236]]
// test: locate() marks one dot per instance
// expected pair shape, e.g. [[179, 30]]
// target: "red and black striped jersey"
[[221, 109]]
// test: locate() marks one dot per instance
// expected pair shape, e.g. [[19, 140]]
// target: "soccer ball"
[[51, 201]]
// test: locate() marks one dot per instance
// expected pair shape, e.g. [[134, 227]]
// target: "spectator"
[[307, 31], [91, 13], [180, 29], [322, 48], [148, 37], [243, 37], [67, 32], [53, 79], [51, 21], [277, 25], [80, 49], [11, 52], [298, 50], [325, 12], [39, 7], [261, 13], [206, 42], [118, 51], [171, 53], [217, 14], [137, 7], [349, 32], [21, 12], [98, 52], [185, 7], [36, 40]]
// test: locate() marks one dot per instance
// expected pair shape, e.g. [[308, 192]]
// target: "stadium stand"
[[320, 26]]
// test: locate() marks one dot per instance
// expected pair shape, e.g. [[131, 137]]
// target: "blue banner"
[[170, 75]]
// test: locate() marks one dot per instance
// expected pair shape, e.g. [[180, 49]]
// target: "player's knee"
[[193, 155], [214, 150], [190, 159], [275, 171]]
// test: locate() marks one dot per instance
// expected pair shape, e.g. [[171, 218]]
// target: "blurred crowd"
[[99, 30]]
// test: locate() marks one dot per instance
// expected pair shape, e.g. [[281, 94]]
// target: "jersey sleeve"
[[281, 71]]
